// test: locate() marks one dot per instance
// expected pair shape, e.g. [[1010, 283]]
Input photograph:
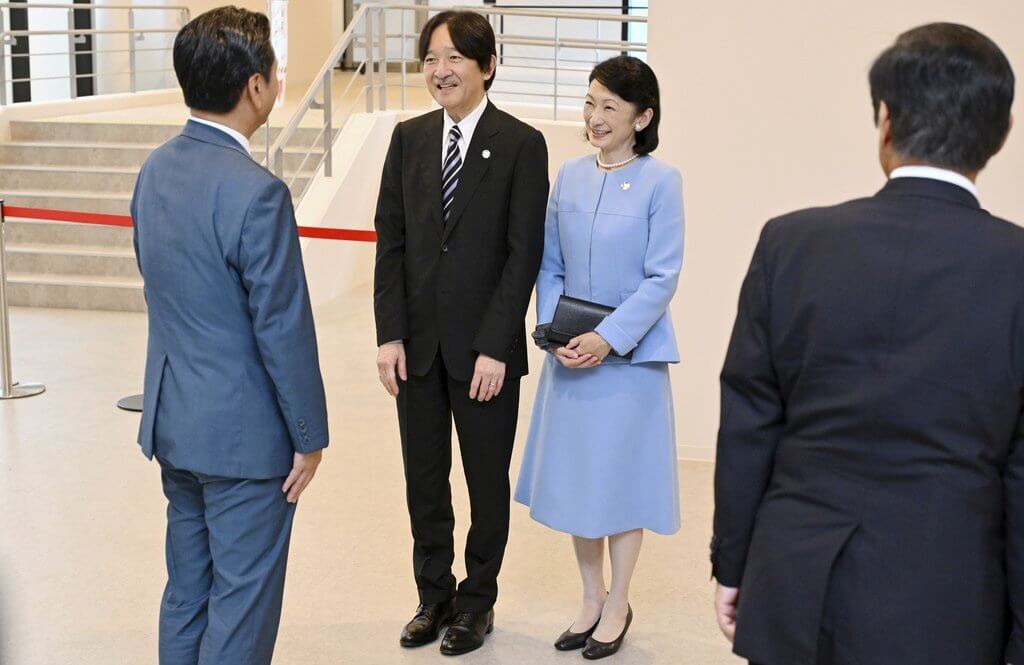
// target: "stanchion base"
[[130, 403], [24, 390]]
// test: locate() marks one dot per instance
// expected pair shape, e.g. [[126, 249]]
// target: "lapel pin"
[[625, 186], [486, 154]]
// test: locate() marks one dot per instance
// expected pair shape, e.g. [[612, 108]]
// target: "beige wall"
[[767, 110], [311, 31]]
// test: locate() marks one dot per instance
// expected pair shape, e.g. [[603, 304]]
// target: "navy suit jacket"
[[871, 452], [233, 385]]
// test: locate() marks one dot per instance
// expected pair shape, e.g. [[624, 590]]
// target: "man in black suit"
[[870, 482], [460, 225]]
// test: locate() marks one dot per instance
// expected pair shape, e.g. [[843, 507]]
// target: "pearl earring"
[[637, 126]]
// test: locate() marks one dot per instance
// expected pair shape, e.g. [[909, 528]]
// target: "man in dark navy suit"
[[869, 489]]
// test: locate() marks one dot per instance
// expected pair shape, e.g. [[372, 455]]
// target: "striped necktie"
[[450, 171]]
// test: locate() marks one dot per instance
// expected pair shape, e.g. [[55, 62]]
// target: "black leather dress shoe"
[[569, 641], [426, 625], [467, 632], [596, 650]]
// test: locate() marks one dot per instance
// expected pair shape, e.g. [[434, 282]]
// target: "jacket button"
[[444, 248]]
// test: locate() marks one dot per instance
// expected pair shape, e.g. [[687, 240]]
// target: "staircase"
[[88, 167]]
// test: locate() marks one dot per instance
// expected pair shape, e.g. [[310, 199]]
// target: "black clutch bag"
[[573, 317]]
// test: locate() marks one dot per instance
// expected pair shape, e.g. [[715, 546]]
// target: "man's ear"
[[883, 121], [1002, 143], [490, 70]]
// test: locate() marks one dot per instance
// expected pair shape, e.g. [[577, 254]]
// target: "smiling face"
[[455, 81], [611, 121]]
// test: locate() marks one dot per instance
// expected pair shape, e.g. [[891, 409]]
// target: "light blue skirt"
[[600, 455]]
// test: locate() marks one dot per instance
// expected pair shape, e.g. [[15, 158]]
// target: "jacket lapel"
[[430, 167], [475, 166]]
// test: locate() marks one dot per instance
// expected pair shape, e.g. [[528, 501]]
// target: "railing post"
[[369, 61], [383, 28], [72, 60], [328, 125], [8, 388], [266, 137], [132, 81], [405, 42], [3, 62], [554, 108], [279, 163]]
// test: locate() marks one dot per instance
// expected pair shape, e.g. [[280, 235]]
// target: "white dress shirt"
[[467, 126], [936, 173], [242, 141]]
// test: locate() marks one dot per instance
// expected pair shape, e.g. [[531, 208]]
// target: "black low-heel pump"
[[570, 641], [595, 650]]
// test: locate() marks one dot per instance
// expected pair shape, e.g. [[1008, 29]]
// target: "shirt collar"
[[468, 124], [236, 135], [936, 173]]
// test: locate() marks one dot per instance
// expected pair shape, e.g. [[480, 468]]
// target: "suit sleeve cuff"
[[616, 336], [307, 439]]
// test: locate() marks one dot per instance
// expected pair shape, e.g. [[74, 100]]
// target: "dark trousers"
[[486, 432], [227, 548]]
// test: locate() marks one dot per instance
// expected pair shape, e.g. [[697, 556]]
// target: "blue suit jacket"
[[233, 385], [617, 239]]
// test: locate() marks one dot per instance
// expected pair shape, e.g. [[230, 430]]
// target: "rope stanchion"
[[354, 235], [8, 388], [132, 402]]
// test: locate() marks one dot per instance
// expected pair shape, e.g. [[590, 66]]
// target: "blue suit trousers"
[[227, 549]]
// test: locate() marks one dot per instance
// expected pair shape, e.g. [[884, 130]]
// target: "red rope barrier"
[[125, 220]]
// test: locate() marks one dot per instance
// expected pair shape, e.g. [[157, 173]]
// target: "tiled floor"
[[81, 523]]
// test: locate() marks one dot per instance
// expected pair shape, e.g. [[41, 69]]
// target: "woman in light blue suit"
[[600, 459]]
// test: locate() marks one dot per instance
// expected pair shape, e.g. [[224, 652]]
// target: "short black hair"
[[217, 53], [949, 89], [633, 80], [472, 35]]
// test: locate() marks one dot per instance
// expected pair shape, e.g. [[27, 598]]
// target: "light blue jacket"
[[617, 239], [233, 385]]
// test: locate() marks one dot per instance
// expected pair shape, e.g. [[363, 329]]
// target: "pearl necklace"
[[617, 165]]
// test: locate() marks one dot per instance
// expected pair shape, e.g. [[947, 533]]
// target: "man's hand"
[[726, 599], [391, 366], [488, 378], [303, 469]]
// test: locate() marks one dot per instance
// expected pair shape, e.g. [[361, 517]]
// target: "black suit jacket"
[[870, 463], [463, 287]]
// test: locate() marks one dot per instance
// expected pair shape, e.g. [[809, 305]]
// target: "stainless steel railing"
[[545, 61], [134, 38]]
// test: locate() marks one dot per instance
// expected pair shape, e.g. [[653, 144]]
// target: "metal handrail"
[[76, 37], [322, 81], [507, 11], [369, 21], [36, 5], [87, 31]]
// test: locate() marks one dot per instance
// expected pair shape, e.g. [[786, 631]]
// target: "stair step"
[[131, 133], [75, 292], [114, 155], [74, 280], [70, 260], [108, 203], [31, 232], [92, 179]]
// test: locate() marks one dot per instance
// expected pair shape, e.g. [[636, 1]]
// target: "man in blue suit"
[[234, 402]]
